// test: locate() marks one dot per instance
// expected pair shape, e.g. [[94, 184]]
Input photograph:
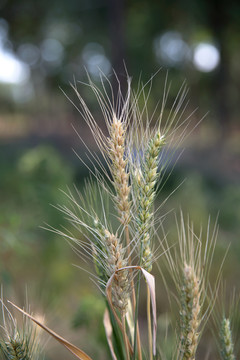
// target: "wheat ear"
[[116, 116], [109, 246], [146, 182], [117, 151], [226, 343], [120, 287], [190, 270], [15, 349], [116, 147], [17, 344], [190, 313]]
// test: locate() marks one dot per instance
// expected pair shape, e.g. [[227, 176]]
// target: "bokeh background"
[[45, 46]]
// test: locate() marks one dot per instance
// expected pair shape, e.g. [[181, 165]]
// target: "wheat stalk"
[[189, 267], [135, 184]]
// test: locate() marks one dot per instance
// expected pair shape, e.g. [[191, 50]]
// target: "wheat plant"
[[116, 226], [18, 343]]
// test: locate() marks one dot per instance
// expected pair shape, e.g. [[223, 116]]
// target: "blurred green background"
[[45, 46]]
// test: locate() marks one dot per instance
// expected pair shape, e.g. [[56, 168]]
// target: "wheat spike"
[[116, 145], [18, 344], [146, 182], [120, 287], [16, 349], [114, 260], [190, 313], [226, 343]]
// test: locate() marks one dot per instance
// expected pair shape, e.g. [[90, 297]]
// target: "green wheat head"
[[226, 342], [18, 343]]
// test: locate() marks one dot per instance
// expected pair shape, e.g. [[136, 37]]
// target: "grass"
[[120, 231]]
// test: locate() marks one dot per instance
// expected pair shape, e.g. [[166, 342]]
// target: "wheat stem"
[[125, 338], [138, 339]]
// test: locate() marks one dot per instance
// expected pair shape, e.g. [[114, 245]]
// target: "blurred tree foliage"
[[102, 33], [29, 183]]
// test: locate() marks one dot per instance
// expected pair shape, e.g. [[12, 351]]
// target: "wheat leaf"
[[151, 284], [108, 331], [72, 348]]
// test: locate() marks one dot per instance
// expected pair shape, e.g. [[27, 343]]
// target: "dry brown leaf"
[[72, 348]]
